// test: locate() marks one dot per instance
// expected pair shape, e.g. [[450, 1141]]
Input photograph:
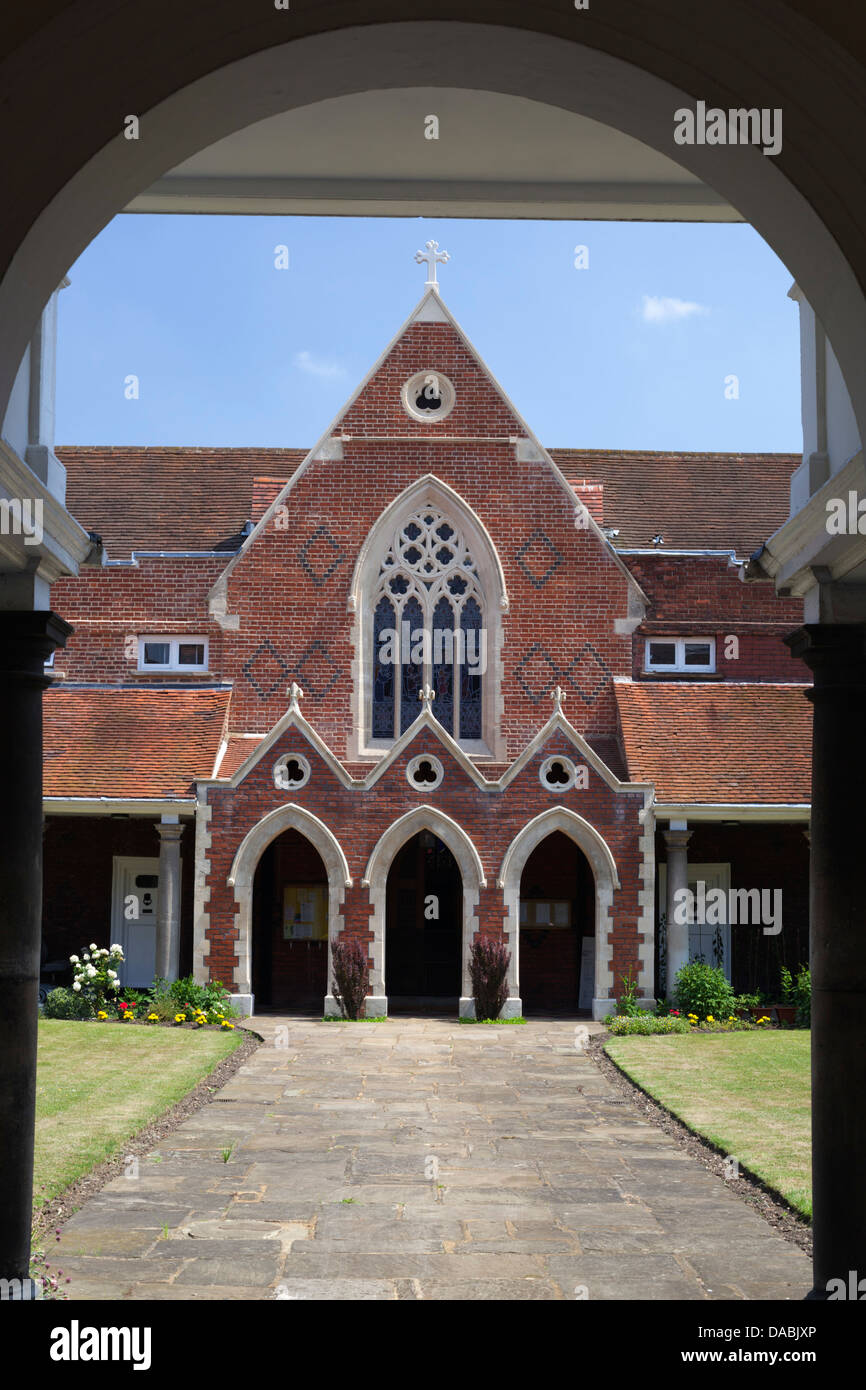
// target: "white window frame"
[[173, 663], [679, 664]]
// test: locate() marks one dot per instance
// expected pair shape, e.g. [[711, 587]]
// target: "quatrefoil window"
[[557, 774], [291, 772], [424, 772], [428, 396]]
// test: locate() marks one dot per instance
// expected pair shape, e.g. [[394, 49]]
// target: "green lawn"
[[749, 1093], [96, 1084]]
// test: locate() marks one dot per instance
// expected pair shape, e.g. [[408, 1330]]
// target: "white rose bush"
[[95, 974]]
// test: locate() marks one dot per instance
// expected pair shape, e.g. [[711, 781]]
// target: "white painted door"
[[703, 941], [133, 917]]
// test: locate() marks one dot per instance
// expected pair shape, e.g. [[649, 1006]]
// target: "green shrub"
[[627, 1004], [186, 995], [749, 1001], [646, 1024], [66, 1003], [703, 989], [798, 991]]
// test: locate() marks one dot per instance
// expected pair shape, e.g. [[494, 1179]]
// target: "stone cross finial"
[[428, 695], [295, 694], [432, 255], [557, 695]]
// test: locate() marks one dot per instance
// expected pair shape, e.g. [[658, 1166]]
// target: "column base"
[[375, 1007], [601, 1008], [244, 1003], [512, 1008]]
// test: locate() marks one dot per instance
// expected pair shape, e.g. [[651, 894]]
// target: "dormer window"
[[172, 653]]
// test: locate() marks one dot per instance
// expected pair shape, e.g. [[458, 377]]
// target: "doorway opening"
[[290, 926], [557, 929], [424, 928]]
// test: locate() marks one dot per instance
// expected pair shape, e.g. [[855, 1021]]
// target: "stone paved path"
[[422, 1159]]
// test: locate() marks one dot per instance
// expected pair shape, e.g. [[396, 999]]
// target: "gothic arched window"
[[428, 629]]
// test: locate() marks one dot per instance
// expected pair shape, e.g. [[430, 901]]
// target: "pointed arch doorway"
[[423, 927], [290, 925]]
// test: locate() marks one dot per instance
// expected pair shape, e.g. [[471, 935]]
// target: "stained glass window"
[[429, 601], [411, 662], [384, 624], [443, 663], [471, 672]]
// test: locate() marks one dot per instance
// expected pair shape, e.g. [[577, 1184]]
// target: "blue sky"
[[632, 352]]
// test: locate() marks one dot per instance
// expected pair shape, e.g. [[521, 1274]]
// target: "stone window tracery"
[[428, 629]]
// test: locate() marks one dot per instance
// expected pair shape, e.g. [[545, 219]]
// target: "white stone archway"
[[242, 874], [606, 876], [376, 879]]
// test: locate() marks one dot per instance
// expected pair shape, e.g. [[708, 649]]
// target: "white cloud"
[[669, 310], [315, 366]]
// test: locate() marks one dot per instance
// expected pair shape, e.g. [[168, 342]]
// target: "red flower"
[[123, 1006]]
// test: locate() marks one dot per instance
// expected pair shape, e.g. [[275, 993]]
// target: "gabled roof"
[[134, 744], [429, 310], [694, 501], [716, 744]]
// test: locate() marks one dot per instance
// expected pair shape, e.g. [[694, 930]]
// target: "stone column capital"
[[677, 839], [835, 654], [169, 834], [27, 639]]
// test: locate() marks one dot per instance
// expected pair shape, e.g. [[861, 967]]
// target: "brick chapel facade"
[[424, 682]]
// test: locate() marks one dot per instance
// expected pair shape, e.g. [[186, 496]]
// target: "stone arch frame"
[[606, 876], [433, 491], [632, 74], [243, 871], [376, 880]]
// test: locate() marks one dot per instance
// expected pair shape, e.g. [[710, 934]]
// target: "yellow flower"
[[180, 1018], [153, 1018], [225, 1024], [101, 1014], [710, 1018]]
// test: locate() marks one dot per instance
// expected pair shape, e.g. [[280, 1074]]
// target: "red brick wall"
[[155, 597], [703, 596]]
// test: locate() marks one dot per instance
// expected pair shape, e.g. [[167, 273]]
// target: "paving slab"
[[421, 1159]]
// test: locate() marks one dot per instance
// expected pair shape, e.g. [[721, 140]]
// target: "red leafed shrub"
[[351, 977], [488, 968]]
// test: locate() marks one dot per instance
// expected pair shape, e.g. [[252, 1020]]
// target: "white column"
[[676, 839], [168, 902]]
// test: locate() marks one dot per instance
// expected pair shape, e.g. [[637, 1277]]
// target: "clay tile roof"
[[130, 743], [718, 743], [695, 501], [199, 499], [168, 499], [238, 749]]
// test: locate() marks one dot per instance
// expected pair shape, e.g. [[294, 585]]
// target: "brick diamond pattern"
[[265, 670], [539, 559], [315, 553], [325, 671], [587, 673]]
